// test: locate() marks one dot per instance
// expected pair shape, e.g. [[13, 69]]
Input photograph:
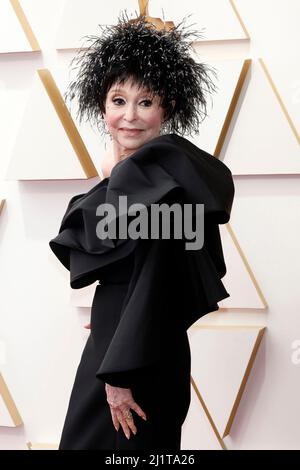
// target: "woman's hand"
[[120, 401]]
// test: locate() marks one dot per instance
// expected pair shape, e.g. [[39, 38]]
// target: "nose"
[[130, 112]]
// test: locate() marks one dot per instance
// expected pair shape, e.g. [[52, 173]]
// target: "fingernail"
[[128, 436], [144, 417]]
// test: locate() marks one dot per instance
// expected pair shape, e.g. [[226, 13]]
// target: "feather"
[[158, 60]]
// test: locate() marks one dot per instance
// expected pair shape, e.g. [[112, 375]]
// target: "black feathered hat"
[[157, 59]]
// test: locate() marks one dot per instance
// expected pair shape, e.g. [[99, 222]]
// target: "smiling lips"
[[134, 131]]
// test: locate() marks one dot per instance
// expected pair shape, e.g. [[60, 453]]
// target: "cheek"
[[150, 118], [112, 119], [153, 119]]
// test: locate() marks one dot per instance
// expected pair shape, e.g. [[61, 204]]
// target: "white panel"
[[43, 16], [42, 149], [197, 433], [237, 280], [12, 36], [262, 142], [216, 17], [82, 18], [13, 101], [218, 103], [218, 369], [274, 28], [78, 19], [286, 77]]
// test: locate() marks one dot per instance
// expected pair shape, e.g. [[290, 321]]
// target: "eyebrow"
[[120, 90]]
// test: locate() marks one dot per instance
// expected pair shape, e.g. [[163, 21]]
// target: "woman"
[[132, 387]]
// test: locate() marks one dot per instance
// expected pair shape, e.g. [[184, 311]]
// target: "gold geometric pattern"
[[239, 18], [261, 141], [232, 107], [243, 379], [280, 100], [209, 417], [248, 369], [247, 265]]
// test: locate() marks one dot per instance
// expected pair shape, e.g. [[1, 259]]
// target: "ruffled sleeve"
[[77, 246], [170, 285]]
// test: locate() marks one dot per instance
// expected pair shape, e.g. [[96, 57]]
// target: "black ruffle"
[[162, 164], [169, 283]]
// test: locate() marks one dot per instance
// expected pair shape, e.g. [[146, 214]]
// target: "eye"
[[117, 99], [118, 102], [147, 101]]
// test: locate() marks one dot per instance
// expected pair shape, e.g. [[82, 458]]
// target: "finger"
[[131, 425], [123, 423], [138, 410], [87, 326], [130, 420], [114, 419]]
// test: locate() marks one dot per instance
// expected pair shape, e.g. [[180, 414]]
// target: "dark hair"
[[158, 60]]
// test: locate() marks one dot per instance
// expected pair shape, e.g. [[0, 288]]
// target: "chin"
[[133, 140], [130, 142]]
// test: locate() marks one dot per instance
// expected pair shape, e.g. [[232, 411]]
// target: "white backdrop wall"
[[41, 320]]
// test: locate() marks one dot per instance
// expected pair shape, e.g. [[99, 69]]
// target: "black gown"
[[149, 292]]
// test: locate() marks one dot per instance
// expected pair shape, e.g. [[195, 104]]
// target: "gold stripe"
[[143, 6], [239, 18], [68, 123], [9, 403], [25, 25], [244, 381], [2, 201], [282, 105], [232, 107], [247, 265], [209, 417], [242, 385]]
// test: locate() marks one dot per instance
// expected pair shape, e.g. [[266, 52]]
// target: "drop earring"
[[163, 128], [106, 130], [106, 133]]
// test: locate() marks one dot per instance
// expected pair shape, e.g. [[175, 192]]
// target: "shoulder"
[[171, 161]]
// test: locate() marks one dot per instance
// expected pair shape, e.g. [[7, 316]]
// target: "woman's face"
[[128, 108]]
